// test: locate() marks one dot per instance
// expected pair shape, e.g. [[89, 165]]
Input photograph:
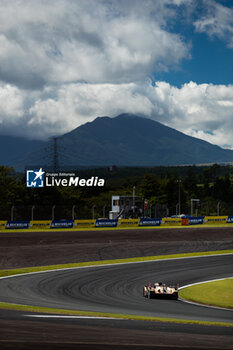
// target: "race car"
[[160, 290]]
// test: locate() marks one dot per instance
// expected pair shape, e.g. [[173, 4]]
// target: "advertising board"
[[230, 219], [105, 223], [84, 223], [3, 224], [196, 220], [171, 222], [17, 224], [39, 224], [149, 222], [128, 222], [215, 220], [62, 223]]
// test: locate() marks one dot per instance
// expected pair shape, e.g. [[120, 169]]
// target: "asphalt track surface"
[[111, 289], [118, 288]]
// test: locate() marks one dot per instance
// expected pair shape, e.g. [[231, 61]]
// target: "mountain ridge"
[[128, 140]]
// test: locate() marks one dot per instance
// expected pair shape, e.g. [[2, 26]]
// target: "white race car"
[[160, 290]]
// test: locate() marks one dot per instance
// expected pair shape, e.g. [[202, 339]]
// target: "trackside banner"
[[17, 224], [128, 222], [39, 224], [105, 223], [149, 222], [215, 220], [84, 223], [62, 223], [198, 220], [230, 220], [3, 225], [171, 221]]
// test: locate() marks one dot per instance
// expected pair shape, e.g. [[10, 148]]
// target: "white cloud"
[[64, 62], [200, 110], [217, 21], [48, 42], [11, 103]]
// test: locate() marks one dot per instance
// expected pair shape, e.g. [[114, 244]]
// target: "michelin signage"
[[39, 178], [62, 224], [17, 224], [149, 222]]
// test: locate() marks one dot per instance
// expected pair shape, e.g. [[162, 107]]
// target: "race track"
[[118, 288]]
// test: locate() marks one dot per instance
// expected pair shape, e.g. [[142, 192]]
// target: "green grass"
[[28, 308], [47, 310], [216, 293], [107, 262]]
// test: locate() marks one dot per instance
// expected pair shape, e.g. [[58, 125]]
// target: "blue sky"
[[211, 62], [65, 62]]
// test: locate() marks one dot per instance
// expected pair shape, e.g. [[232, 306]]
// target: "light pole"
[[177, 206], [218, 207], [32, 216], [134, 190], [93, 212], [104, 210], [73, 208], [179, 182], [53, 207], [194, 200], [12, 212]]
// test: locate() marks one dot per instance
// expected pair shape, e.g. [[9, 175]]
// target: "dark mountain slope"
[[127, 140], [14, 150], [131, 140]]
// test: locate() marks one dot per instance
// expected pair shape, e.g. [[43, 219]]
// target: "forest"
[[161, 187]]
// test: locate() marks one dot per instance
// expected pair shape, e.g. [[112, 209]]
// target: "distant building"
[[125, 207], [112, 168]]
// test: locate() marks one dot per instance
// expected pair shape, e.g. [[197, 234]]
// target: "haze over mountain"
[[126, 140], [14, 151]]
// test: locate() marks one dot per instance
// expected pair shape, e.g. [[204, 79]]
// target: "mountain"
[[129, 140], [15, 151], [132, 140]]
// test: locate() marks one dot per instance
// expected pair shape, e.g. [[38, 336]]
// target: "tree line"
[[162, 187]]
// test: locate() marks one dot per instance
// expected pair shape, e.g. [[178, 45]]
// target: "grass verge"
[[216, 293], [11, 272], [46, 310]]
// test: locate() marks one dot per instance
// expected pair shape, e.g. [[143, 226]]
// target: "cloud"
[[63, 64], [217, 21], [200, 110], [11, 103], [91, 41]]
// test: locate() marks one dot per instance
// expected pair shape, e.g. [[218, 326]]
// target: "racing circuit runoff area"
[[112, 289]]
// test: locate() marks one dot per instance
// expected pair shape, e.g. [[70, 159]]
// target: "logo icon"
[[35, 178]]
